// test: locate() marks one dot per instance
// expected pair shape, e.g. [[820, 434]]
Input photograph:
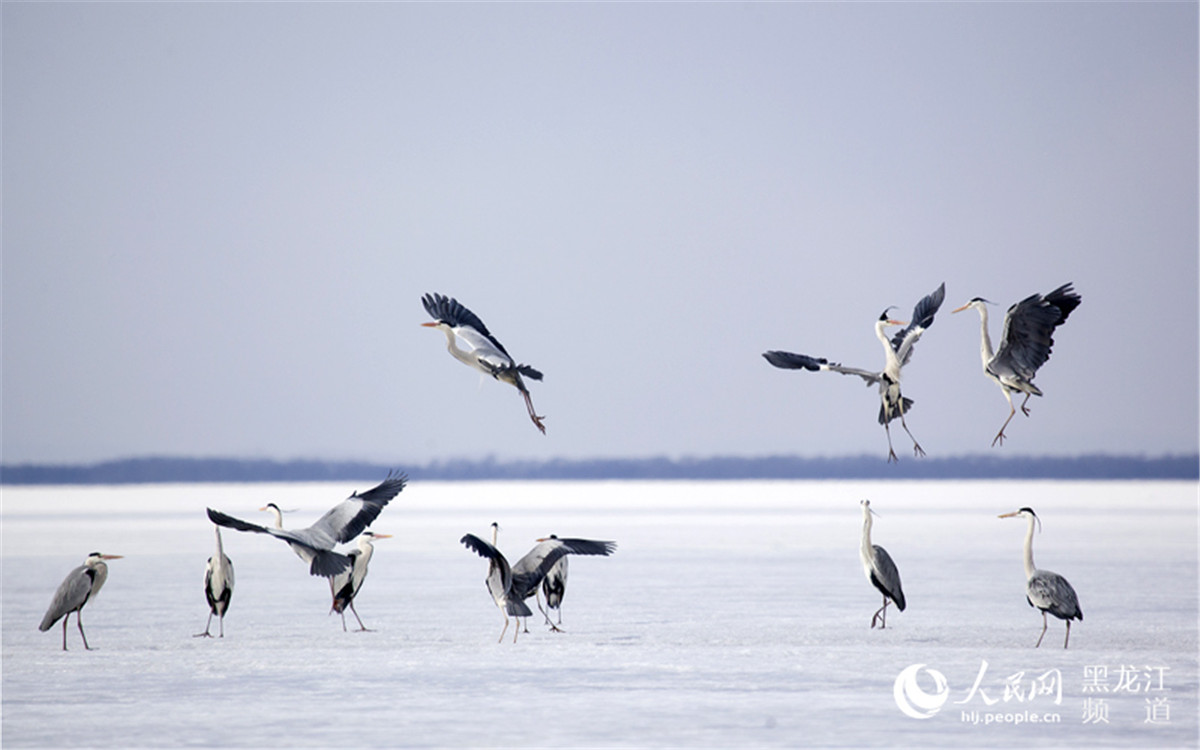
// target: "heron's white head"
[[977, 303], [866, 506], [1025, 512], [886, 319]]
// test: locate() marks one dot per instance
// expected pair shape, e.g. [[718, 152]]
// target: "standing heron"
[[1024, 344], [1045, 590], [80, 586], [897, 351], [218, 587], [880, 570], [486, 354], [342, 523], [510, 586], [344, 586]]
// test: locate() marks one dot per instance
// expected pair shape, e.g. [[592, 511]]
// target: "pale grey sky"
[[220, 218]]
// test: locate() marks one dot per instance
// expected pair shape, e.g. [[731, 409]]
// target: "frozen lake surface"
[[732, 614]]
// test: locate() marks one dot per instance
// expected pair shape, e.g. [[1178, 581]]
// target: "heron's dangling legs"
[[361, 628], [1044, 625], [533, 414], [207, 625], [891, 451], [917, 449], [1012, 410], [1024, 408]]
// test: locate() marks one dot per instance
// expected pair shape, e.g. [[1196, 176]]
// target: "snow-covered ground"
[[732, 614]]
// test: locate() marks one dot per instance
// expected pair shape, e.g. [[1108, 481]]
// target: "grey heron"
[[80, 586], [897, 352], [218, 587], [1047, 591], [344, 586], [486, 353], [1024, 344], [511, 585], [340, 524], [554, 586], [879, 569]]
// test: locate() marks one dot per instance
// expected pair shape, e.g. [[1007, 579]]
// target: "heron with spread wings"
[[342, 523], [1024, 344], [486, 353], [897, 352], [510, 586]]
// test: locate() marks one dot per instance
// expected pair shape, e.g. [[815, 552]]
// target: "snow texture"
[[732, 614]]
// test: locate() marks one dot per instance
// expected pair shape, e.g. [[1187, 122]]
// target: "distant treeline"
[[183, 470]]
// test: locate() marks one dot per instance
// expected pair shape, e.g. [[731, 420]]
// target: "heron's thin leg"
[[517, 629], [361, 627], [65, 620], [999, 439], [917, 449], [502, 632], [79, 622], [891, 452], [1044, 625], [537, 596], [207, 625], [1024, 408], [221, 624], [533, 414], [1068, 634]]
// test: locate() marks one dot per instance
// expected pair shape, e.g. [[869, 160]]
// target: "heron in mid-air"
[[486, 354], [1049, 592], [80, 586], [1024, 344], [511, 586], [341, 524], [880, 570], [898, 351], [218, 587], [344, 586]]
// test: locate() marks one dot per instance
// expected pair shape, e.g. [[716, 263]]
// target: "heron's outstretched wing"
[[1028, 331], [886, 576], [922, 319], [532, 568], [791, 361], [499, 577], [451, 312], [1051, 592], [346, 520]]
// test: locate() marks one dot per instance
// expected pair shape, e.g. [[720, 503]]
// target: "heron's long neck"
[[1029, 550], [220, 550], [892, 366], [985, 341], [452, 347], [278, 517], [495, 534], [367, 549], [866, 535]]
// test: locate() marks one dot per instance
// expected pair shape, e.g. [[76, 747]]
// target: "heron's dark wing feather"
[[792, 361], [922, 319], [236, 524], [1029, 325], [499, 577], [69, 596], [352, 516], [451, 312], [1051, 592], [886, 576], [532, 568]]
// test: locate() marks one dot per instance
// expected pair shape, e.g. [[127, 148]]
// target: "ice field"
[[732, 614]]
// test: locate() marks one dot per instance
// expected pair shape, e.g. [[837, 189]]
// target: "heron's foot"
[[917, 449], [365, 630], [1025, 410], [205, 634], [999, 439], [892, 456], [538, 421], [555, 629]]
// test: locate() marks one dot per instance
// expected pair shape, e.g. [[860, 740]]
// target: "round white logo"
[[914, 701]]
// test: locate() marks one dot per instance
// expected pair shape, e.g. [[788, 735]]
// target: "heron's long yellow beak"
[[111, 557], [960, 309]]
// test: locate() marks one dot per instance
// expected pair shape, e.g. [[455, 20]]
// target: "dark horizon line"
[[174, 469]]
